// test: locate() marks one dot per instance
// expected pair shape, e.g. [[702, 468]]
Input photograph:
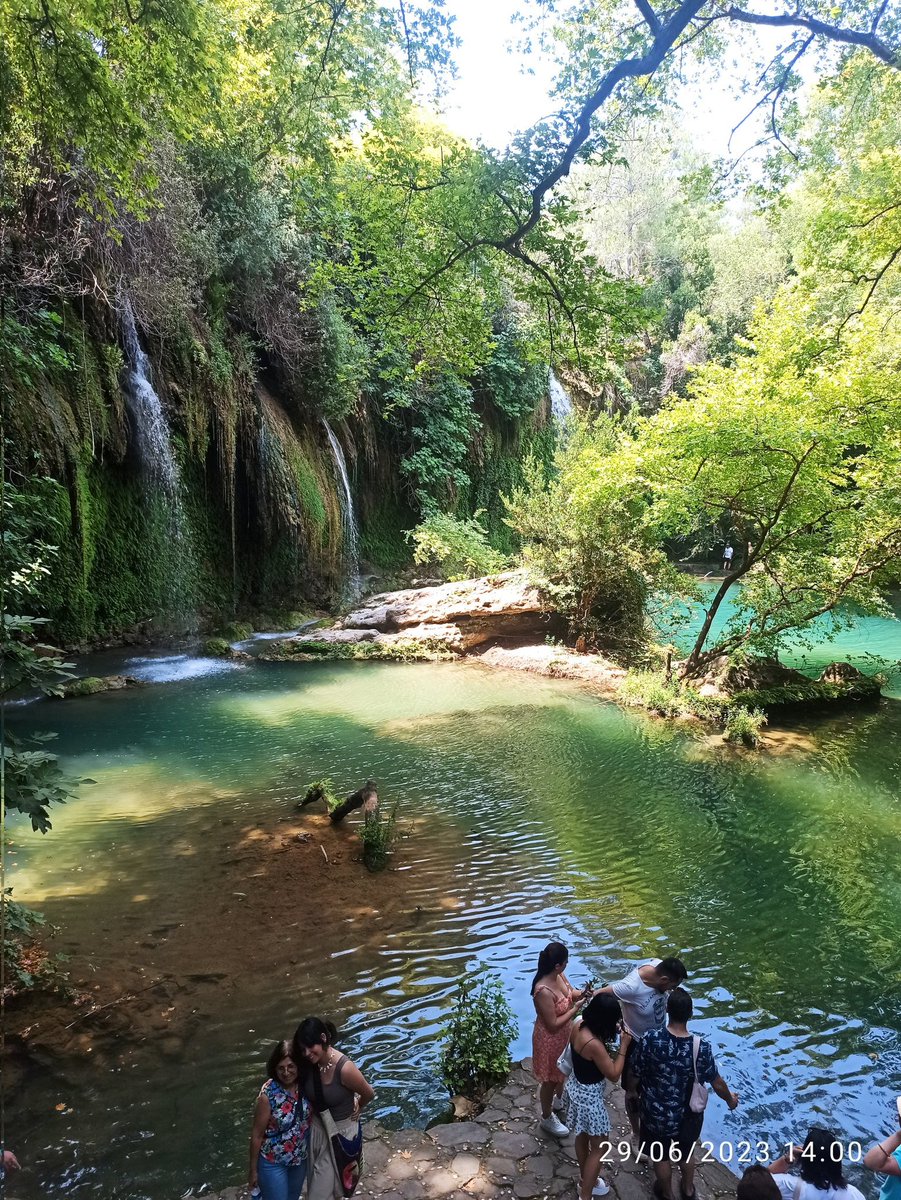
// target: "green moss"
[[814, 693], [236, 631], [403, 650], [382, 540], [217, 648], [89, 686]]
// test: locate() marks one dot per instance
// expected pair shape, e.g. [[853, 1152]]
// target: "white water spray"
[[151, 430], [153, 442], [561, 404], [348, 514]]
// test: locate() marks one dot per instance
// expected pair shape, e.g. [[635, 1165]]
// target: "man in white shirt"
[[642, 997], [727, 557]]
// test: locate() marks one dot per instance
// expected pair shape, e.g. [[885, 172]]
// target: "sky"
[[493, 98]]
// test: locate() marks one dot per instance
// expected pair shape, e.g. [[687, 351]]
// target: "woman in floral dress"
[[280, 1131], [556, 1004]]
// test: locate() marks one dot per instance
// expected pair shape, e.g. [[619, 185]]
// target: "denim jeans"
[[278, 1182]]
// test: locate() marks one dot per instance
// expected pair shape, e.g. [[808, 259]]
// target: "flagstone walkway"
[[501, 1154]]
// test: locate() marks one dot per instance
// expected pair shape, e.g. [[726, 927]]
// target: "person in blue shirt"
[[664, 1063], [885, 1159]]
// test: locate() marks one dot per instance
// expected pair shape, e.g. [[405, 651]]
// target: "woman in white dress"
[[584, 1108]]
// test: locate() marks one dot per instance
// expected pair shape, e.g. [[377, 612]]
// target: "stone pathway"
[[501, 1154]]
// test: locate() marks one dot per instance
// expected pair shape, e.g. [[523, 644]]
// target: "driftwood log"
[[365, 797]]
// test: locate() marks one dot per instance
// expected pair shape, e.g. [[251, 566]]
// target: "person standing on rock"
[[337, 1091], [556, 1005], [280, 1131], [671, 1064], [642, 995], [583, 1093]]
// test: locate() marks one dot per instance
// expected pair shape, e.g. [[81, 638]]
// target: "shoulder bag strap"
[[694, 1059], [317, 1088]]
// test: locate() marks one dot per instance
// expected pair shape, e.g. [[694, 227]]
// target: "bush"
[[670, 698], [476, 1051], [217, 648], [744, 725], [458, 547], [378, 839]]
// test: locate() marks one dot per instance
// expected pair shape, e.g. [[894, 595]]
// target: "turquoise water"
[[869, 643], [531, 811]]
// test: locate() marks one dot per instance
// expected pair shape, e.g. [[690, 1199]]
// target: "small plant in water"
[[744, 725], [476, 1051], [320, 789], [378, 838]]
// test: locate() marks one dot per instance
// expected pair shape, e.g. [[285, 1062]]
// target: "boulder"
[[92, 684], [462, 615], [840, 672]]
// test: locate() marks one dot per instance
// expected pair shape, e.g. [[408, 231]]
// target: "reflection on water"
[[544, 814]]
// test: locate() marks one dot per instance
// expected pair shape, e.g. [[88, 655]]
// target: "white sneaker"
[[554, 1125], [600, 1188]]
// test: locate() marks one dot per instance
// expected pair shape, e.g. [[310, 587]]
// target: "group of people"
[[306, 1122], [635, 1030]]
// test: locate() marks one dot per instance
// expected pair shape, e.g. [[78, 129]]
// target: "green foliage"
[[670, 697], [33, 780], [27, 964], [583, 538], [795, 447], [217, 648], [475, 1054], [88, 685], [443, 425], [744, 725], [324, 789], [339, 363], [456, 546], [378, 837], [514, 379]]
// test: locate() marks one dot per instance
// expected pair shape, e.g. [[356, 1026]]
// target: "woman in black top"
[[583, 1096], [329, 1080]]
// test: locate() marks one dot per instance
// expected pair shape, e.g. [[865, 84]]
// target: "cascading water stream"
[[561, 404], [149, 423], [153, 442], [348, 515]]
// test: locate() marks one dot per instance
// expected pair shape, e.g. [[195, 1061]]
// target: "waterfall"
[[348, 515], [152, 440], [561, 404], [151, 429]]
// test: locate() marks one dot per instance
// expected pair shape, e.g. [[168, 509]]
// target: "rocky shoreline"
[[501, 1154], [503, 621]]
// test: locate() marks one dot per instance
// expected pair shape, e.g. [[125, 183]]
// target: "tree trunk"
[[366, 797]]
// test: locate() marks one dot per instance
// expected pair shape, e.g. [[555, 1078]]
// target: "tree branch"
[[649, 15], [874, 282], [835, 33]]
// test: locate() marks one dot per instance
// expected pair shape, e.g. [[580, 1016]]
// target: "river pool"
[[544, 813]]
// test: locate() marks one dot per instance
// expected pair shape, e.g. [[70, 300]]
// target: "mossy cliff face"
[[253, 521]]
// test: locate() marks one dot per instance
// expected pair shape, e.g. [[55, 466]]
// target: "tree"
[[796, 447], [32, 778], [584, 540]]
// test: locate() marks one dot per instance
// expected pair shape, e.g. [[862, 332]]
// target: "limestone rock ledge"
[[459, 616]]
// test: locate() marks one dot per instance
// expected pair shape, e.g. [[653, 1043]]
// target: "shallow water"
[[549, 815]]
